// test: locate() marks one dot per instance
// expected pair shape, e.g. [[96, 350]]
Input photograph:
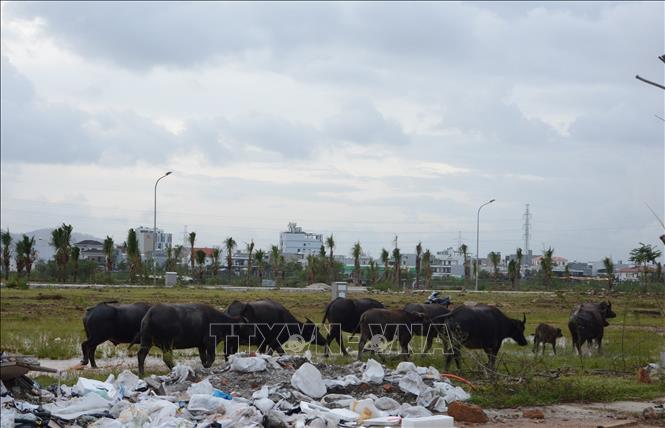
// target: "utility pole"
[[154, 232], [478, 239]]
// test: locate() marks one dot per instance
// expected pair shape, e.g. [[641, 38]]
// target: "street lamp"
[[154, 232], [478, 239]]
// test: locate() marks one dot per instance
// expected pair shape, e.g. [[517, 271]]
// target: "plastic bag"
[[374, 372], [86, 386], [308, 380], [248, 364]]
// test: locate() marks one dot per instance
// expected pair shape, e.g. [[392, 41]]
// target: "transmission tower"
[[527, 229]]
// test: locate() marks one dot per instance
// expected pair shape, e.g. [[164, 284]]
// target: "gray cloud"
[[361, 123]]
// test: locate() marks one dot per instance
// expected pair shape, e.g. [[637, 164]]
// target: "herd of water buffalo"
[[269, 325]]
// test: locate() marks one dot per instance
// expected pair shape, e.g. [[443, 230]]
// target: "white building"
[[295, 242], [144, 236]]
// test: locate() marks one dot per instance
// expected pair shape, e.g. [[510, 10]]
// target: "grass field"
[[47, 323]]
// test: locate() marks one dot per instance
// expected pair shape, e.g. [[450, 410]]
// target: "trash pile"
[[250, 391]]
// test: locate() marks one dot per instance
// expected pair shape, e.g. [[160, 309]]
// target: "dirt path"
[[591, 415]]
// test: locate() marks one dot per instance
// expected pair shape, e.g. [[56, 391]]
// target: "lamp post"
[[154, 232], [478, 239]]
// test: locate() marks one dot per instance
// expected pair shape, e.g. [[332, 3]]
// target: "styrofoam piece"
[[439, 421]]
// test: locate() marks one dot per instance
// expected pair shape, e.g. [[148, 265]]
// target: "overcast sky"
[[364, 120]]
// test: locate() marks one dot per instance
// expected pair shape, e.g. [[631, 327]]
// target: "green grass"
[[47, 323]]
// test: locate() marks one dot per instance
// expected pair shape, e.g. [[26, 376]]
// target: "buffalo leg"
[[91, 355], [554, 347], [430, 339], [535, 345], [361, 345], [167, 356], [203, 355], [210, 351], [84, 350], [143, 352]]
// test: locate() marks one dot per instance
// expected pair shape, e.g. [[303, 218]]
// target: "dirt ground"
[[589, 415]]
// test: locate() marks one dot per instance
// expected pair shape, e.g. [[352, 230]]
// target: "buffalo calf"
[[344, 315], [388, 324], [546, 334]]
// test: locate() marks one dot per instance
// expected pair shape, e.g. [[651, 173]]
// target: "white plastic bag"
[[374, 372], [203, 387], [72, 409], [405, 366], [411, 382], [308, 380], [366, 409], [86, 386], [248, 364]]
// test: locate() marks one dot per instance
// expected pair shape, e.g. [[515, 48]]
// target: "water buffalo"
[[344, 315], [433, 310], [388, 323], [269, 326], [481, 327], [587, 323], [112, 321], [546, 334], [182, 326]]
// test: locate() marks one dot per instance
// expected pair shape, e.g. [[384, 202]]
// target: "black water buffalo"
[[587, 323], [432, 310], [480, 327], [344, 315], [182, 326], [112, 321], [269, 326], [546, 334], [379, 325]]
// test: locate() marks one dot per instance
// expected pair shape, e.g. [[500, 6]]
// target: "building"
[[92, 250], [296, 242], [447, 263], [632, 273], [145, 238]]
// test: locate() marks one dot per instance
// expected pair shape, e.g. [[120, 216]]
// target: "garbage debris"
[[251, 391], [308, 380], [373, 372]]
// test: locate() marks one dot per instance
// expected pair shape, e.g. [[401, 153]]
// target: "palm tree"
[[356, 251], [177, 256], [464, 250], [60, 240], [250, 250], [19, 257], [230, 244], [330, 243], [372, 272], [274, 260], [215, 261], [133, 255], [419, 250], [427, 267], [385, 258], [312, 261], [28, 252], [495, 258], [644, 255], [546, 266], [518, 267], [200, 260], [192, 256], [6, 238], [259, 256], [109, 250], [76, 253], [512, 272], [397, 257]]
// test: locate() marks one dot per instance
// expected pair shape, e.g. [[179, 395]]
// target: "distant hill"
[[43, 237]]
